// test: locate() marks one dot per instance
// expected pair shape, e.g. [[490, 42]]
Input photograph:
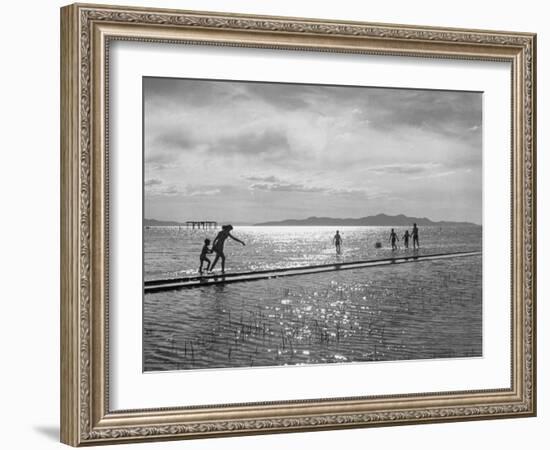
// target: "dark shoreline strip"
[[198, 281]]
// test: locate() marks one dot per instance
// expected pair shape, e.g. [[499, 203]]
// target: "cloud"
[[279, 95], [278, 185], [156, 187], [435, 175], [442, 112], [269, 142], [353, 191], [404, 169], [170, 190], [339, 146], [268, 179], [177, 139], [172, 147], [189, 92], [286, 187], [153, 182], [167, 146], [420, 171], [205, 192]]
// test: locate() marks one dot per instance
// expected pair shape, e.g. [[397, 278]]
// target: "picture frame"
[[87, 32]]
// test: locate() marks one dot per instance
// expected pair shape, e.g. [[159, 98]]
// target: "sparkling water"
[[418, 310]]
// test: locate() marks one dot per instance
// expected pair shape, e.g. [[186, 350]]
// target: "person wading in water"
[[217, 246], [406, 237], [393, 239], [337, 240], [415, 237]]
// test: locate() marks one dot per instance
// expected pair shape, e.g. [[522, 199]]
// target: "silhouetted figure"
[[406, 237], [205, 250], [337, 240], [416, 243], [393, 239], [217, 246]]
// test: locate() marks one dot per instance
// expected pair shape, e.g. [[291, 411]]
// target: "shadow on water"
[[220, 288]]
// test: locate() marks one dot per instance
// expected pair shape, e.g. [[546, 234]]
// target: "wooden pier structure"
[[204, 224], [218, 278]]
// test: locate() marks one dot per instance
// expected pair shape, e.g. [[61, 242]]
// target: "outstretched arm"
[[236, 239]]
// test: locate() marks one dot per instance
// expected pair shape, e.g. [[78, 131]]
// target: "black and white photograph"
[[239, 225], [290, 224]]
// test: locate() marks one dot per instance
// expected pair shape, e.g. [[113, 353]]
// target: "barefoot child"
[[406, 238], [393, 239], [205, 250]]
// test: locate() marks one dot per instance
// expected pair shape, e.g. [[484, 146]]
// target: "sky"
[[248, 152]]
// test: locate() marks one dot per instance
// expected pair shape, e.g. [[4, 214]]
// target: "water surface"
[[419, 310]]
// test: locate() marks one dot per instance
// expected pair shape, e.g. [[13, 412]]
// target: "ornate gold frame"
[[86, 31]]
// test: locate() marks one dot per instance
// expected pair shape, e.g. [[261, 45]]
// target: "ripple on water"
[[429, 309]]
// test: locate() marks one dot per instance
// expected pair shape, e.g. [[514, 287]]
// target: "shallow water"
[[424, 309], [174, 251]]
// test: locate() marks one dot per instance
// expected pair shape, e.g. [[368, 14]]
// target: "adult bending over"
[[217, 246]]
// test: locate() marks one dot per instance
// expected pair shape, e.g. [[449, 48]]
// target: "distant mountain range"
[[378, 220]]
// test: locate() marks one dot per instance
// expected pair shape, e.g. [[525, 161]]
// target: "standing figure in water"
[[406, 237], [337, 240], [416, 243], [217, 246], [203, 258], [393, 239]]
